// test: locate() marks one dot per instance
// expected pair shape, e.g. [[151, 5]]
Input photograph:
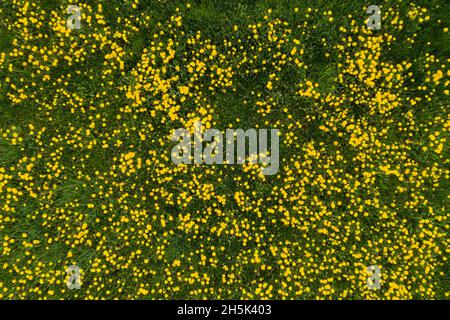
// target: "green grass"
[[66, 196]]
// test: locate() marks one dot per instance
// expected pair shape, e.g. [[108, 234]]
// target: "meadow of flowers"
[[86, 176]]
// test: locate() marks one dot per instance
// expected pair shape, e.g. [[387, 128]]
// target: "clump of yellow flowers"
[[86, 177]]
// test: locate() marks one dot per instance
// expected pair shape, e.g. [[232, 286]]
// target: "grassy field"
[[86, 177]]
